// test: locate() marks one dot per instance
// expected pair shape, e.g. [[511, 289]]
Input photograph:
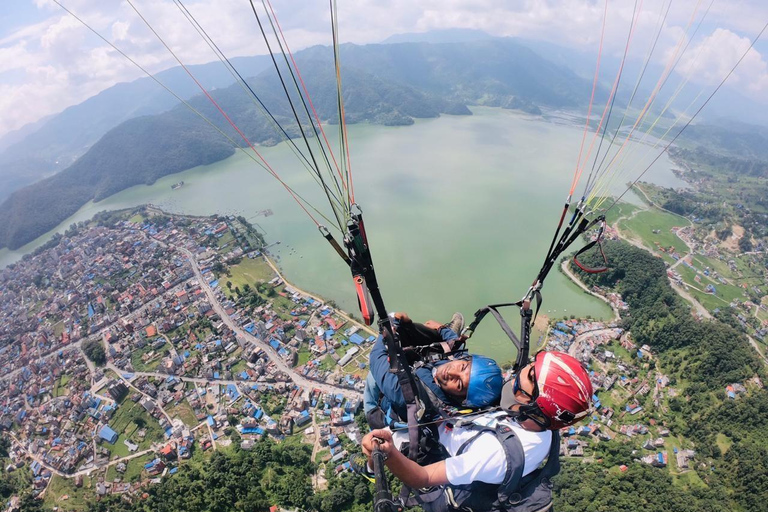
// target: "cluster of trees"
[[94, 350], [716, 354], [249, 481], [601, 486], [704, 356]]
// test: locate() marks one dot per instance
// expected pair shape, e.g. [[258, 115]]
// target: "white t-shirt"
[[484, 459]]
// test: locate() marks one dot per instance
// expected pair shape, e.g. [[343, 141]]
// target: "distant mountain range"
[[43, 148], [384, 84]]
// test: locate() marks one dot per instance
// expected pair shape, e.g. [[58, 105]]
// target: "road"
[[297, 379], [128, 383]]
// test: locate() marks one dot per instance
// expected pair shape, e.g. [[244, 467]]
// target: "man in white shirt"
[[552, 392]]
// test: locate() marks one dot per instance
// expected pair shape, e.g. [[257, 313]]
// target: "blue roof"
[[107, 434], [210, 420], [356, 339]]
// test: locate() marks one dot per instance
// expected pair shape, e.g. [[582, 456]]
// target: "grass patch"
[[619, 211], [63, 494], [226, 239], [327, 363], [141, 366], [134, 467], [723, 442], [137, 219], [127, 421], [645, 223], [61, 385], [688, 479], [304, 356], [248, 271], [58, 329], [185, 412], [239, 367]]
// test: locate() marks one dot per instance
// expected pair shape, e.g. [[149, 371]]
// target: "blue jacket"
[[388, 385]]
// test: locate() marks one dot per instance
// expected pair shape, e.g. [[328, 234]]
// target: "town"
[[140, 342]]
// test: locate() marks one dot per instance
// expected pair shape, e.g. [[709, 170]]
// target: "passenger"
[[494, 462], [465, 381]]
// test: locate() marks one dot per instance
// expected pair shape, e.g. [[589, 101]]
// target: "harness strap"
[[526, 318], [597, 241], [514, 474]]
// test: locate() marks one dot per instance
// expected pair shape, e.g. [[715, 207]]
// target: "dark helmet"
[[485, 382]]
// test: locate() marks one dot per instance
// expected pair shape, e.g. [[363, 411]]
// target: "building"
[[107, 434]]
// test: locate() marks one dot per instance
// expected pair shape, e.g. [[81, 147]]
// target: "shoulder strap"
[[515, 455]]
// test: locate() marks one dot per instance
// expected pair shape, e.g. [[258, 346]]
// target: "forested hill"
[[60, 140], [701, 358], [383, 84], [486, 72]]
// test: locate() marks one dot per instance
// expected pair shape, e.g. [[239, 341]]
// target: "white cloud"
[[61, 63], [712, 59]]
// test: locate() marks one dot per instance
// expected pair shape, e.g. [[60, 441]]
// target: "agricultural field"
[[653, 228]]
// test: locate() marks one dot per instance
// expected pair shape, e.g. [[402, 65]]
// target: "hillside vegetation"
[[702, 357]]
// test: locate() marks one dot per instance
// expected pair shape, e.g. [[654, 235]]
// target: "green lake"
[[459, 210]]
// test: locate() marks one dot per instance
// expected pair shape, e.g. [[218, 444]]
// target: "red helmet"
[[563, 388]]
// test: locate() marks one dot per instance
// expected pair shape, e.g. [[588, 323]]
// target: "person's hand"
[[380, 437], [433, 325], [402, 317]]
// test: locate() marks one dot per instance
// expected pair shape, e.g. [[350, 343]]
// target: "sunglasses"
[[517, 388]]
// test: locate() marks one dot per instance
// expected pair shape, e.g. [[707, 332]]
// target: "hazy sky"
[[49, 61]]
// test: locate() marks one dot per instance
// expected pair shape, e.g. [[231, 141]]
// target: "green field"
[[248, 271], [645, 223], [137, 219], [688, 479], [139, 365], [304, 356], [724, 443], [185, 412], [327, 363], [226, 239], [129, 418], [134, 467], [63, 494], [61, 385], [239, 366], [619, 211]]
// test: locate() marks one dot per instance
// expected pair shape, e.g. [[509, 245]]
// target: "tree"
[[95, 352]]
